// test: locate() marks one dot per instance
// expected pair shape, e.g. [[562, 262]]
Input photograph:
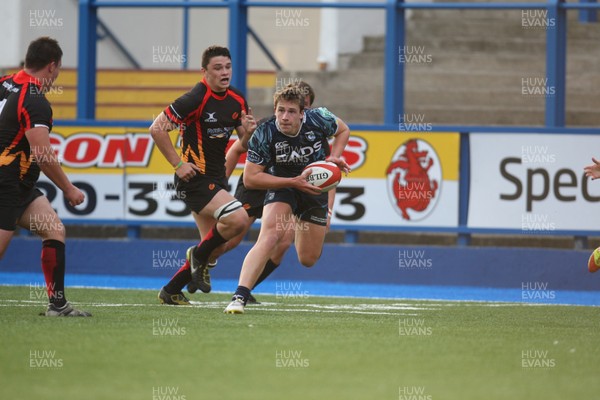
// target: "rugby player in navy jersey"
[[25, 125], [287, 144], [206, 116], [253, 199]]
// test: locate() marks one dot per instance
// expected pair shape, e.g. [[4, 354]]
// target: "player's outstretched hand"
[[74, 196], [248, 122], [187, 171], [302, 184], [593, 171], [343, 165]]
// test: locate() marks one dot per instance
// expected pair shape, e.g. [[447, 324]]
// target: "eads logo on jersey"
[[414, 177]]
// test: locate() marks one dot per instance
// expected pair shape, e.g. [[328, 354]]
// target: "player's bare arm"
[[255, 177], [340, 140], [233, 155], [240, 146], [159, 130], [247, 128], [42, 152]]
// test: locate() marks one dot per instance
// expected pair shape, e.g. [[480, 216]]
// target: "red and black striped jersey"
[[206, 120], [23, 106]]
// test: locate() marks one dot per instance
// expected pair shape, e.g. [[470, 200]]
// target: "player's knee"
[[239, 222], [54, 230], [308, 260], [234, 218]]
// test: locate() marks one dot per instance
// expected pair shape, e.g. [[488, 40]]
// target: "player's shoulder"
[[6, 77], [8, 85], [198, 89], [189, 100], [266, 128], [266, 119], [35, 95], [319, 117], [236, 92], [319, 112]]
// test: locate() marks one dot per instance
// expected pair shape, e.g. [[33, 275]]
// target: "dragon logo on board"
[[414, 177]]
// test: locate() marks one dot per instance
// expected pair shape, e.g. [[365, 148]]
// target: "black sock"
[[212, 240], [242, 291], [53, 265], [270, 266], [179, 280]]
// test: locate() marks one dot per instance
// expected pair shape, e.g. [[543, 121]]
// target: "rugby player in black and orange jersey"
[[207, 116], [25, 125]]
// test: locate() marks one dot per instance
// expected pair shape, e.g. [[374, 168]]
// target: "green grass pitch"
[[300, 348]]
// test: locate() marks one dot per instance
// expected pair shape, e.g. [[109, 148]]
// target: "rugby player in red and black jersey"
[[25, 125], [207, 116]]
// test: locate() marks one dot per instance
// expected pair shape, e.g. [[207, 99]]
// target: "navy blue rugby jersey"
[[286, 156]]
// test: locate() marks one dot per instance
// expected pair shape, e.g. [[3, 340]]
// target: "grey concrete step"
[[494, 116], [489, 29], [468, 115], [426, 29], [477, 80], [498, 97], [359, 80], [501, 60], [474, 14]]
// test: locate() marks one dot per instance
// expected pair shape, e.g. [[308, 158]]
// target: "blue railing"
[[395, 39]]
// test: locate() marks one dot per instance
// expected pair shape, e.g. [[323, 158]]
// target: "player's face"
[[218, 73], [289, 117], [53, 69]]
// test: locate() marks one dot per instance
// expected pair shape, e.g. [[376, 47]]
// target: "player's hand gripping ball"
[[594, 261], [324, 174]]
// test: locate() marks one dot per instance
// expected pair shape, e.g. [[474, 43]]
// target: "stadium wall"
[[501, 268]]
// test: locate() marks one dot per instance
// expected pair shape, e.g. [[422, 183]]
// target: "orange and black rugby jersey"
[[206, 120], [23, 106]]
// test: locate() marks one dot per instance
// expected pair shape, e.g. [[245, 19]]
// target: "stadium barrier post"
[[556, 62], [86, 71], [238, 32], [394, 69]]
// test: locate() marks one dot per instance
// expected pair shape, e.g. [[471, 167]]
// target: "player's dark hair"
[[214, 51], [291, 93], [41, 52], [307, 90]]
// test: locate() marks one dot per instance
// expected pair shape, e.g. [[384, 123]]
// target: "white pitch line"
[[366, 309], [396, 309]]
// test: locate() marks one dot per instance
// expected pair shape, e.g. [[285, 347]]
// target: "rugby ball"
[[324, 174], [594, 261]]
